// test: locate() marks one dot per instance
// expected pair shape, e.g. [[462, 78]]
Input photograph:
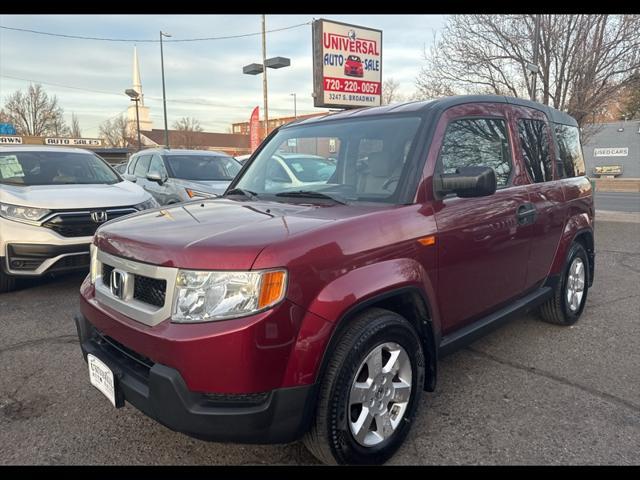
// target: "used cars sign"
[[347, 65]]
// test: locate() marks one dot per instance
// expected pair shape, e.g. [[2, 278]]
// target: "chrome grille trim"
[[135, 309]]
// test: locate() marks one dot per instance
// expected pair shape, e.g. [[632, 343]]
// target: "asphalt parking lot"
[[529, 393]]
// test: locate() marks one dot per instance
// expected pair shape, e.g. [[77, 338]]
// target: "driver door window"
[[477, 142]]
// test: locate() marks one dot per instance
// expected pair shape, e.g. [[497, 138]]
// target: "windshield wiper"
[[310, 194], [247, 193]]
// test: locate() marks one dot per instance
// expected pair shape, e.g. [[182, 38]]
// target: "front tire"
[[369, 392], [570, 294]]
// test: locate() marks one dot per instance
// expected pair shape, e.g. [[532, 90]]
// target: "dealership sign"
[[611, 152], [347, 65], [74, 142], [6, 139]]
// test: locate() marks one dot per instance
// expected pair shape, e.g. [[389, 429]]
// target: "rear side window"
[[477, 142], [132, 165], [534, 140], [570, 151], [142, 166]]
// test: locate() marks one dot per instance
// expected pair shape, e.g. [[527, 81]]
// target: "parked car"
[[120, 168], [287, 170], [52, 200], [174, 176], [353, 66], [320, 312]]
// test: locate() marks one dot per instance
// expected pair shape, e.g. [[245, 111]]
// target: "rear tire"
[[386, 396], [7, 283], [570, 294]]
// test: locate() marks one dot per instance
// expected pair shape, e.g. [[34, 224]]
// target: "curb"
[[611, 216]]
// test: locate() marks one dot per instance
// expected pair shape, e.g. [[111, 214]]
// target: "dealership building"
[[612, 149]]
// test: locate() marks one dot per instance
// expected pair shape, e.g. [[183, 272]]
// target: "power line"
[[201, 102], [134, 40]]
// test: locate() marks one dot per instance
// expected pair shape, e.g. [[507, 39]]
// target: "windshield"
[[352, 160], [202, 167], [54, 168], [309, 169]]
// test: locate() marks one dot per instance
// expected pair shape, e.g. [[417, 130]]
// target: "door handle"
[[526, 213]]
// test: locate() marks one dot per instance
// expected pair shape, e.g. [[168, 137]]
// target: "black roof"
[[437, 106]]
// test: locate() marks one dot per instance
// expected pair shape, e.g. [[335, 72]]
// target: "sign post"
[[347, 65]]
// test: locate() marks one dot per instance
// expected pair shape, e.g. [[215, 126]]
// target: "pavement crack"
[[56, 339], [552, 376]]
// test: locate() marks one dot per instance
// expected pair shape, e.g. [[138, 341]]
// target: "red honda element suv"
[[279, 312]]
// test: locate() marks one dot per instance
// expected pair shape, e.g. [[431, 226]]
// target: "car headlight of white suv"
[[23, 214], [147, 204]]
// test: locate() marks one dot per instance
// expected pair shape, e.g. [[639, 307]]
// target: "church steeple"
[[137, 83], [143, 110]]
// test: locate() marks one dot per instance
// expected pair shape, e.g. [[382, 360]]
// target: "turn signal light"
[[272, 288]]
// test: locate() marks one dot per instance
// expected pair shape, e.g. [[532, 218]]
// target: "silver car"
[[52, 200], [174, 176]]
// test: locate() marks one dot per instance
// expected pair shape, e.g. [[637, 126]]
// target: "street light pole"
[[257, 68], [295, 110], [138, 123], [135, 97], [264, 77], [164, 97]]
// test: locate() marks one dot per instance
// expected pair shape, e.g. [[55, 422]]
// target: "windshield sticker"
[[10, 167]]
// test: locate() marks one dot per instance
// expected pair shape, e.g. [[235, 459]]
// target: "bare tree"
[[116, 132], [75, 127], [631, 104], [390, 92], [187, 128], [35, 113], [584, 60]]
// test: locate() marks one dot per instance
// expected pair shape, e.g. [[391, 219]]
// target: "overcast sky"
[[207, 75]]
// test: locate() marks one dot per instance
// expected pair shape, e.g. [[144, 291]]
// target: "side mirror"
[[468, 182], [131, 178], [156, 177]]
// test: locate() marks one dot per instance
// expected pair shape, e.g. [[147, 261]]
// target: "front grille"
[[71, 262], [145, 289], [106, 274], [80, 224], [150, 290]]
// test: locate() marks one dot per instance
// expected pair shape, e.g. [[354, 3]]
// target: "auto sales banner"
[[347, 65], [254, 129]]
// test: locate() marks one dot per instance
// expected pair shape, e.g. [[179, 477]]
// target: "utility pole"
[[264, 77], [164, 97], [536, 42], [295, 109]]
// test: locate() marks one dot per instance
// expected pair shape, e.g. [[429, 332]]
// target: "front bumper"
[[279, 416], [31, 250]]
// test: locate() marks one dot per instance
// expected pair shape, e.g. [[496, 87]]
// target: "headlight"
[[93, 268], [195, 193], [22, 214], [207, 296], [147, 204]]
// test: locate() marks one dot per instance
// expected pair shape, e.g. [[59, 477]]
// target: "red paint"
[[338, 256]]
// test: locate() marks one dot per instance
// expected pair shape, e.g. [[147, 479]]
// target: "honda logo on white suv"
[[99, 216]]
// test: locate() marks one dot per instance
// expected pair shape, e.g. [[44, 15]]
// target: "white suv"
[[52, 200]]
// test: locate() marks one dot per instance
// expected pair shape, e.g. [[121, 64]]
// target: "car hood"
[[216, 187], [62, 197], [213, 234]]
